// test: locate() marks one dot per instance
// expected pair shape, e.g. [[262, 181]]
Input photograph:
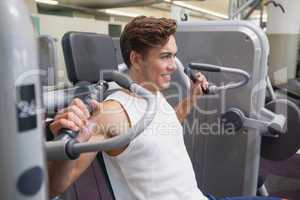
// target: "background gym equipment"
[[288, 143], [290, 91], [282, 138], [22, 169], [213, 89], [55, 100], [267, 122], [281, 133], [47, 60], [271, 124], [229, 44], [284, 159]]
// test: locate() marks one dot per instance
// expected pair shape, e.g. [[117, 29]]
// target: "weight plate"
[[286, 145]]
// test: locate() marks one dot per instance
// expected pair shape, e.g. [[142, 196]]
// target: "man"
[[156, 164]]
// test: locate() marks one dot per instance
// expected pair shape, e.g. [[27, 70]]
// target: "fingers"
[[62, 123], [84, 135], [204, 82], [198, 90], [77, 102], [72, 109], [95, 105], [201, 80], [75, 117], [199, 85], [71, 116], [86, 132]]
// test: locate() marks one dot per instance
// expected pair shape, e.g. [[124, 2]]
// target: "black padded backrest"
[[118, 50], [87, 54]]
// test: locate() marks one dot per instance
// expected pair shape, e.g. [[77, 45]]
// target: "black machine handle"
[[192, 75], [212, 89], [205, 67]]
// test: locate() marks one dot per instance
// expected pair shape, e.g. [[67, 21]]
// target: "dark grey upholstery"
[[86, 55], [93, 184], [118, 50]]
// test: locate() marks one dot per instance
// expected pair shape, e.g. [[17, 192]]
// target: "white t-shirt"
[[155, 165]]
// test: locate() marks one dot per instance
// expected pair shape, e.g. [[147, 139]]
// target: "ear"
[[135, 59]]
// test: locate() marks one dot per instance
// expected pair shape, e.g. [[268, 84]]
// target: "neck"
[[140, 79]]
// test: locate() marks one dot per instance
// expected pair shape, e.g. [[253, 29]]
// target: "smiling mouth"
[[166, 76]]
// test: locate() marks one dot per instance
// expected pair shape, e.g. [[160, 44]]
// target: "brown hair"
[[143, 33]]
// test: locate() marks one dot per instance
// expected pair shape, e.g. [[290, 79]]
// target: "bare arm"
[[184, 107], [63, 173], [109, 120]]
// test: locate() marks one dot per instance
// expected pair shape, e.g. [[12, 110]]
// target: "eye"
[[168, 56]]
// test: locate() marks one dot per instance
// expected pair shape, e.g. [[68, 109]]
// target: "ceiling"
[[220, 6], [156, 7], [100, 4]]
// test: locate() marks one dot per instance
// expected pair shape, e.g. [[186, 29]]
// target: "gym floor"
[[282, 178]]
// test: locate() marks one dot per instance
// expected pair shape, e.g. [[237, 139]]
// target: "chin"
[[164, 86]]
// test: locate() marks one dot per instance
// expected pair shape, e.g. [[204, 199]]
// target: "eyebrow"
[[167, 53]]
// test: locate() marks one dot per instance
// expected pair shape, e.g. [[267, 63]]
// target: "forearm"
[[63, 173], [196, 90], [100, 126], [75, 117], [184, 107], [60, 176]]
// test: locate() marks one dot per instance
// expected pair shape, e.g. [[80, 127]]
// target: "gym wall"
[[56, 26]]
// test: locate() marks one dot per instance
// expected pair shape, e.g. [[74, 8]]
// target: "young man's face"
[[158, 65]]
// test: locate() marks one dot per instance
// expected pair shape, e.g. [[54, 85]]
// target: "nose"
[[172, 65]]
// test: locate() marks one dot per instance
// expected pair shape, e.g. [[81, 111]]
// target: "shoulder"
[[133, 105], [113, 120], [111, 111]]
